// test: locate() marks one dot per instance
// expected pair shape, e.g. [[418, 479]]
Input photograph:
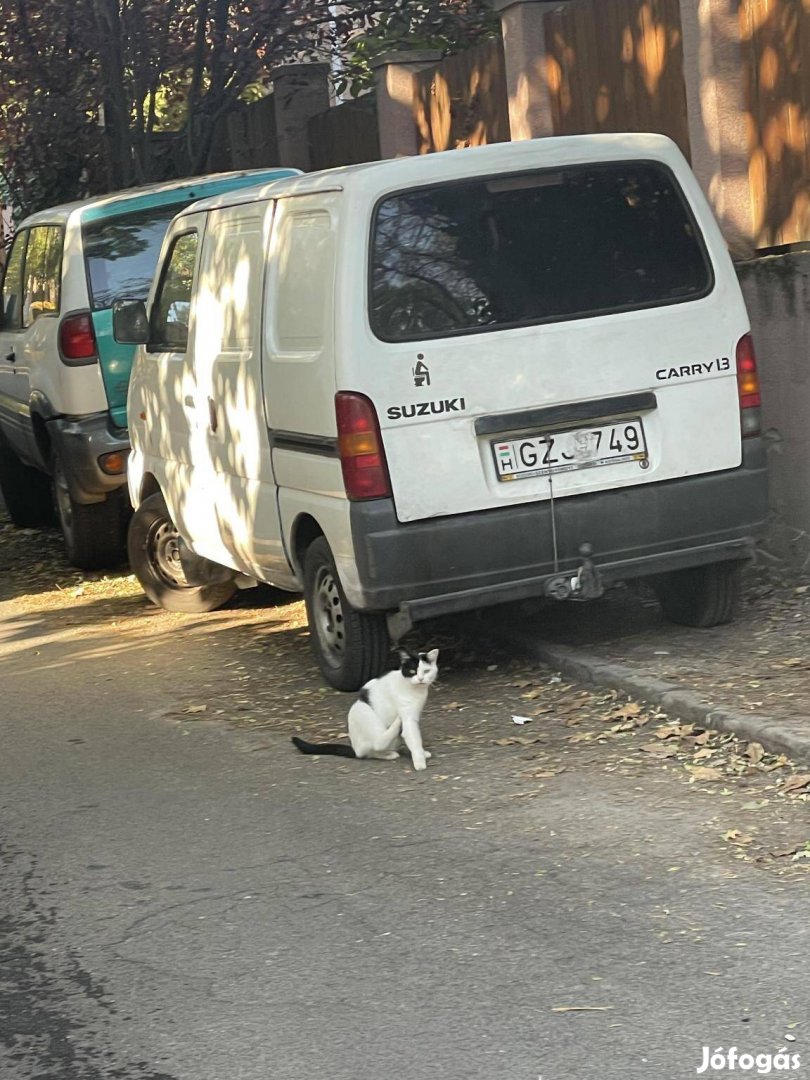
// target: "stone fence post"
[[300, 91], [393, 76], [716, 108], [524, 46]]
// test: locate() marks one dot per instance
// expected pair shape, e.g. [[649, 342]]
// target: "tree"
[[97, 95], [415, 24]]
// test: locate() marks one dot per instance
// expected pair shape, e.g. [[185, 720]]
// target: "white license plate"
[[565, 451]]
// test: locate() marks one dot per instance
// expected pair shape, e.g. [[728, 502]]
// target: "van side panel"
[[298, 372], [231, 466]]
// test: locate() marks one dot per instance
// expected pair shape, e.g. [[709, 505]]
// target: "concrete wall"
[[777, 292]]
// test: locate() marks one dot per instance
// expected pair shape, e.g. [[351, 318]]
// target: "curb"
[[683, 704]]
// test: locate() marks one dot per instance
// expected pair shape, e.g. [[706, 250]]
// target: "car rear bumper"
[[457, 563], [80, 444]]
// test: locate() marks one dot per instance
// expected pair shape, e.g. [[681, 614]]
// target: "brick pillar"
[[524, 46], [716, 111], [393, 77], [300, 91]]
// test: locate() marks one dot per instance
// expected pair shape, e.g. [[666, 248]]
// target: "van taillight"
[[77, 339], [365, 473], [748, 387]]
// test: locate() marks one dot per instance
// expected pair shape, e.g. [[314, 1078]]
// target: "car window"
[[172, 306], [42, 273], [484, 254], [121, 253], [12, 283]]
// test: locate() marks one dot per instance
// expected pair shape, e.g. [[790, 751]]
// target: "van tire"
[[152, 548], [350, 646], [94, 534], [26, 492], [700, 596]]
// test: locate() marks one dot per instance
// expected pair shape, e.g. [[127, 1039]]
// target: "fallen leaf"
[[705, 752], [796, 783], [706, 772], [734, 836], [659, 749], [755, 752], [521, 719], [195, 708], [624, 712], [778, 763]]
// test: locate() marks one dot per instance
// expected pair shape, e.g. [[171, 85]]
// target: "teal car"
[[63, 377]]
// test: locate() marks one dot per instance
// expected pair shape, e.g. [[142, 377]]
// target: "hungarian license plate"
[[565, 451]]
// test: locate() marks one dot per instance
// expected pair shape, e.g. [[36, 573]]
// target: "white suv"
[[63, 378]]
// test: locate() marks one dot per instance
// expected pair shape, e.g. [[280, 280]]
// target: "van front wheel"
[[154, 555], [350, 646], [700, 595]]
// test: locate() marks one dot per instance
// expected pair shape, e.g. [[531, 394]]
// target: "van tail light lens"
[[77, 339], [748, 387], [365, 473]]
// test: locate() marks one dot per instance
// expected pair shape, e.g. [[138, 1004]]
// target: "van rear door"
[[549, 333]]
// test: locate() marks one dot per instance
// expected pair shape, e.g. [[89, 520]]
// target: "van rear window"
[[517, 249], [121, 253]]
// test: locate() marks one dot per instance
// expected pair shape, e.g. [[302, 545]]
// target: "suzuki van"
[[440, 383], [63, 379]]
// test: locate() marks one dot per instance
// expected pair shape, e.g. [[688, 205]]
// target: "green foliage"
[[445, 25]]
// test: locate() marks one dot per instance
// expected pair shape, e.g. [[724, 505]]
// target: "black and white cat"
[[387, 708]]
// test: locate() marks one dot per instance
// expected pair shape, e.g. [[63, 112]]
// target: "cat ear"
[[404, 656], [433, 655]]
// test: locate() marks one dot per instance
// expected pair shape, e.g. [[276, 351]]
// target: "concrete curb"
[[673, 699]]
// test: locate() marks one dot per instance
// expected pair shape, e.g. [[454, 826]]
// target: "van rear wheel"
[[700, 595], [350, 646], [153, 545]]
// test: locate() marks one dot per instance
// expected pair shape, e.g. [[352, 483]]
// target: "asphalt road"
[[185, 898]]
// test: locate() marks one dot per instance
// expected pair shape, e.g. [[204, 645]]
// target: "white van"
[[439, 383]]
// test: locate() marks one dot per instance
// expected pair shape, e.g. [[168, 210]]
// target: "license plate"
[[555, 452]]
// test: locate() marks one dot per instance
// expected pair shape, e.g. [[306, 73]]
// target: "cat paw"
[[428, 754], [419, 766], [392, 756]]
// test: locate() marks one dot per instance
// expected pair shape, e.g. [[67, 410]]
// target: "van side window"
[[170, 313], [42, 274], [12, 283], [305, 280]]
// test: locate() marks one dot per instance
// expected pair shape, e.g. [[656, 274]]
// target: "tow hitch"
[[585, 584]]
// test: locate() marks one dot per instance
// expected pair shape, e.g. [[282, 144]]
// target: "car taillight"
[[365, 473], [748, 387], [77, 339]]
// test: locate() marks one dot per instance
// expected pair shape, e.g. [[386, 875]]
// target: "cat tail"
[[338, 749]]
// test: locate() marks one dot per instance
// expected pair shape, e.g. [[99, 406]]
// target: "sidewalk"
[[751, 677]]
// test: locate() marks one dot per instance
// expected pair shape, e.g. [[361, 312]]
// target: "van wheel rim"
[[329, 616], [163, 550]]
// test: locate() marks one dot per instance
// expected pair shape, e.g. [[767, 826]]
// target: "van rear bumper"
[[466, 561]]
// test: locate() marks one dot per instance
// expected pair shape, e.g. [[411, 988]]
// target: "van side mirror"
[[130, 322]]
